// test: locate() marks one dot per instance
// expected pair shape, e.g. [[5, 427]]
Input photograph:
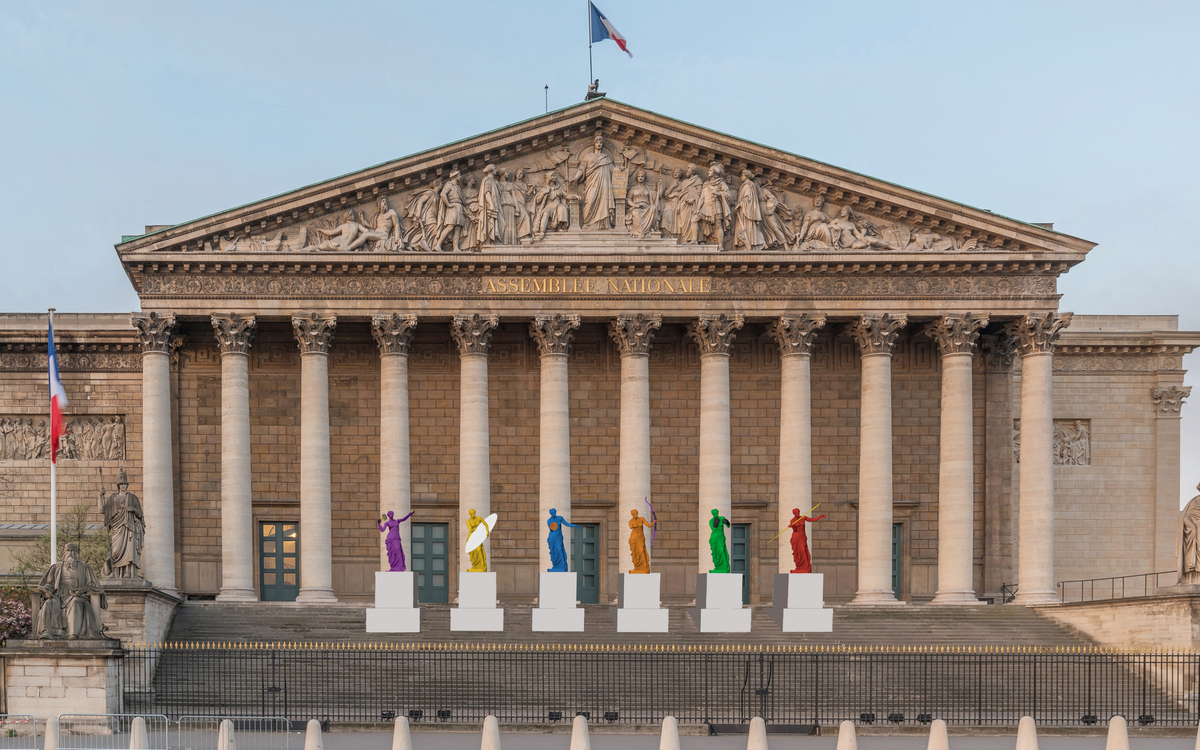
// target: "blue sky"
[[117, 114]]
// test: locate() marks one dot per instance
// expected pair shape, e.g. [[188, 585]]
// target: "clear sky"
[[114, 115]]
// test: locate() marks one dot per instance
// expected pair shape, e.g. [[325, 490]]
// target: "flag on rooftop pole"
[[58, 399], [603, 29]]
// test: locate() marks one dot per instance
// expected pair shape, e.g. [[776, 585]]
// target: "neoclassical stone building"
[[603, 310]]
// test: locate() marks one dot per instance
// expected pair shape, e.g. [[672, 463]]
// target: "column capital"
[[473, 332], [393, 333], [1037, 332], [714, 333], [999, 352], [956, 334], [877, 334], [154, 330], [234, 332], [553, 333], [1168, 401], [634, 332], [314, 332], [796, 334]]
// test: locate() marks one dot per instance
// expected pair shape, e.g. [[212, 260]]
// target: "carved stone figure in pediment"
[[386, 235], [852, 232], [669, 221], [452, 222], [421, 210], [816, 227], [748, 224], [553, 212], [641, 206], [508, 208], [688, 205], [487, 227], [714, 214], [522, 197], [775, 215], [596, 173], [347, 236]]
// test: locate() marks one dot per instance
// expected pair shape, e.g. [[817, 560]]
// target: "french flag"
[[602, 29], [58, 399]]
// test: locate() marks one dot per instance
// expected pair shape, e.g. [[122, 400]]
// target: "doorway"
[[739, 556], [430, 561], [278, 561], [585, 561]]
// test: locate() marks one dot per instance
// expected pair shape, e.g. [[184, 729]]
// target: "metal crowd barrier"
[[251, 732], [18, 732], [110, 731]]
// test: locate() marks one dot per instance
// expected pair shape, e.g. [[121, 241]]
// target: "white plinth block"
[[477, 608], [719, 604], [799, 603], [556, 610], [395, 609], [639, 607]]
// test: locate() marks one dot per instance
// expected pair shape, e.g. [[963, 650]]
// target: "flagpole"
[[589, 2], [53, 484]]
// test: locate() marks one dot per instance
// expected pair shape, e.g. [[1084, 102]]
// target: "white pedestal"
[[477, 608], [638, 607], [556, 610], [395, 609], [799, 602], [719, 604]]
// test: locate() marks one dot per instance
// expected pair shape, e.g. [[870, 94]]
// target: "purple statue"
[[395, 550]]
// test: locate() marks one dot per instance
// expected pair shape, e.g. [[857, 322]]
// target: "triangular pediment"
[[655, 185]]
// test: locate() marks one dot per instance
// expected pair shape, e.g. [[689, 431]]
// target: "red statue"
[[800, 553]]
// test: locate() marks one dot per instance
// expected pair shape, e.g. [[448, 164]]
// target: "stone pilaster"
[[553, 334], [714, 335], [999, 508], [314, 334], [473, 335], [795, 336], [158, 484], [956, 336], [234, 334], [876, 337], [1036, 334], [1168, 404], [393, 333], [633, 335]]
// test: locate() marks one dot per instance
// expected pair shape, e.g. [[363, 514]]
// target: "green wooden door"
[[430, 561], [278, 561], [585, 561], [896, 527], [739, 556]]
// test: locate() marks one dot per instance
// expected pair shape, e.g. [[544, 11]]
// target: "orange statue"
[[637, 542], [800, 554]]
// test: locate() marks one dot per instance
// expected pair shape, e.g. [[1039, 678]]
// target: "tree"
[[32, 561]]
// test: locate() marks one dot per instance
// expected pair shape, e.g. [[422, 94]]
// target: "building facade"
[[604, 310]]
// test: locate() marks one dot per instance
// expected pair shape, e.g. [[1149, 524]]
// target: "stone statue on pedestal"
[[637, 542], [799, 540], [392, 542], [68, 600], [558, 550], [716, 542], [126, 526], [1187, 544]]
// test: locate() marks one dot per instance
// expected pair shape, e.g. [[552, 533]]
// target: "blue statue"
[[558, 552]]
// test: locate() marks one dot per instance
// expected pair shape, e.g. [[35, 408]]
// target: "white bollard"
[[580, 739], [670, 734], [847, 739], [401, 739], [312, 738], [1027, 734], [51, 739], [137, 735], [491, 734], [758, 734], [1118, 734], [1197, 739], [938, 739], [225, 738]]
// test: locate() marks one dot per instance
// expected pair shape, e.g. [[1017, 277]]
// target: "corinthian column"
[[876, 336], [1035, 336], [473, 334], [393, 333], [956, 336], [714, 335], [314, 334], [633, 335], [234, 333], [553, 334], [158, 484], [795, 337]]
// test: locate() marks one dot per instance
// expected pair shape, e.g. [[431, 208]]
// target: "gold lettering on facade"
[[597, 286]]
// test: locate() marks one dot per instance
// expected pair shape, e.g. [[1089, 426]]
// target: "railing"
[[1007, 593], [459, 683], [1116, 587], [18, 732]]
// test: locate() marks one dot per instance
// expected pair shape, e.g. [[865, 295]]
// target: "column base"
[[237, 595], [316, 595], [876, 599], [956, 598], [1036, 598]]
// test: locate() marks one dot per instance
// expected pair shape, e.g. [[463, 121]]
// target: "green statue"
[[716, 543]]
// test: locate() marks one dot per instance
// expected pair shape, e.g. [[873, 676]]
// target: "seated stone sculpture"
[[68, 600]]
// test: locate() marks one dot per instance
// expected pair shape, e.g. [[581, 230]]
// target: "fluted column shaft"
[[473, 334], [234, 334], [633, 335], [1036, 335], [553, 334], [315, 334], [876, 336], [393, 333], [158, 484]]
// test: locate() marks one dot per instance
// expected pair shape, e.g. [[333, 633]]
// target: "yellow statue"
[[479, 554], [637, 542]]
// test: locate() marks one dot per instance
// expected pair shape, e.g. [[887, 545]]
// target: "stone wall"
[[1164, 621], [51, 677]]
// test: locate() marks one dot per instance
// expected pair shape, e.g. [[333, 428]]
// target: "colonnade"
[[875, 335]]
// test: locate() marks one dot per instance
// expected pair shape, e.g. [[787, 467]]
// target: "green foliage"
[[33, 561]]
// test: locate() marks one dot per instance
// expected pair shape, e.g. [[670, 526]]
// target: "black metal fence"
[[1115, 587], [786, 685]]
